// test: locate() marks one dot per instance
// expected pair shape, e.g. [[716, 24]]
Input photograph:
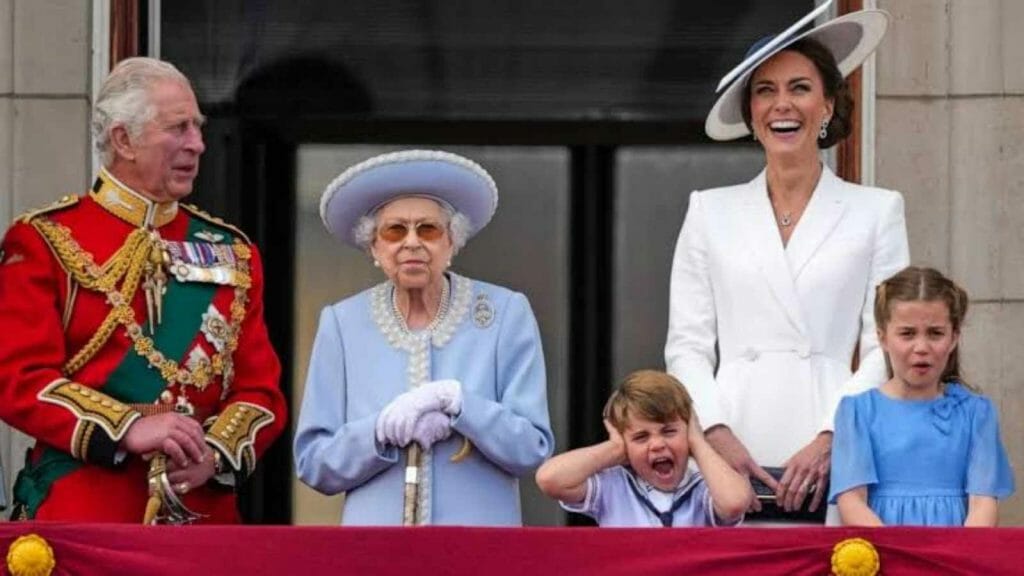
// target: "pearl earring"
[[376, 263]]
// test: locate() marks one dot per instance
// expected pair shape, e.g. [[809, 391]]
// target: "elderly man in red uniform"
[[132, 341]]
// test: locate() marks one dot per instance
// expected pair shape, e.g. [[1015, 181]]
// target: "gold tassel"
[[157, 467], [463, 451]]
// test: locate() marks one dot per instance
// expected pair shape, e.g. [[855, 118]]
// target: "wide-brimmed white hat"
[[362, 189], [850, 38]]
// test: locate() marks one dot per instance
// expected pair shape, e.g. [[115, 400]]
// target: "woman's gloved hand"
[[430, 428], [397, 421]]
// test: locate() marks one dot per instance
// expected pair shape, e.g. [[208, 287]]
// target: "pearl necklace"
[[442, 310]]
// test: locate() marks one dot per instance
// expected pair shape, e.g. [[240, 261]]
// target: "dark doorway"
[[620, 88]]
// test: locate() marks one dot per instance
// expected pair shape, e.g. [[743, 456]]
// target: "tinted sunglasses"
[[427, 231]]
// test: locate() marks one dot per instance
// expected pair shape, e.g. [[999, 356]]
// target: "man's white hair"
[[124, 99]]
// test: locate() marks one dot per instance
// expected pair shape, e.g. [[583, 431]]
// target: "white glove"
[[430, 428], [396, 422]]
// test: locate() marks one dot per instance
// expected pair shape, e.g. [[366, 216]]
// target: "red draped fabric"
[[85, 549]]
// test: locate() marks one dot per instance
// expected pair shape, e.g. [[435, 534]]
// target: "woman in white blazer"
[[773, 281]]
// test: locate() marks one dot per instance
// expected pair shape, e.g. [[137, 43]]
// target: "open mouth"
[[663, 467], [784, 126]]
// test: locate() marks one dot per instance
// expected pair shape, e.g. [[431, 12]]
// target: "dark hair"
[[650, 394], [919, 284], [833, 82]]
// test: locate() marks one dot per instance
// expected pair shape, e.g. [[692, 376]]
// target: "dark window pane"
[[467, 59]]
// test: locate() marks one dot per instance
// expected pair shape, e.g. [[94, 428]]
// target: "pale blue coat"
[[494, 351]]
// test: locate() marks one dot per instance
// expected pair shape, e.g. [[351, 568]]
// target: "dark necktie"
[[665, 517]]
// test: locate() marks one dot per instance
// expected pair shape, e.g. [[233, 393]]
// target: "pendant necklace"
[[784, 219]]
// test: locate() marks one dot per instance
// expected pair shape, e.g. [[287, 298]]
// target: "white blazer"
[[786, 320]]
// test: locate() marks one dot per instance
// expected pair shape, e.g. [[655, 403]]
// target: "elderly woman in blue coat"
[[426, 392]]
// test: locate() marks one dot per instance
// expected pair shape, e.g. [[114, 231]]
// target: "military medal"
[[155, 284], [204, 262]]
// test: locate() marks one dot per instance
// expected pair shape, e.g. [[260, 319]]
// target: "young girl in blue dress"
[[923, 448]]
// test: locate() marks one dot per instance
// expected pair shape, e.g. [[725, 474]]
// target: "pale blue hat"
[[851, 38], [449, 178]]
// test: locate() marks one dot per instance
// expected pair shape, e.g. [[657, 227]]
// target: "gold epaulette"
[[195, 211], [64, 202]]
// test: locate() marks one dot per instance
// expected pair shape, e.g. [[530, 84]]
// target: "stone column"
[[44, 129], [950, 136]]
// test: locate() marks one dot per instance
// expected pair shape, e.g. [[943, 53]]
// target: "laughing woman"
[[426, 362], [773, 280]]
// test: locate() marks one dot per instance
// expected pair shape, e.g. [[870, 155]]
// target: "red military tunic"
[[79, 364]]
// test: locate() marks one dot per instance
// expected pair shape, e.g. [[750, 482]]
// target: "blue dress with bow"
[[920, 459]]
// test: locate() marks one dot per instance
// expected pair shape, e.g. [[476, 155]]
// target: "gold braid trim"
[[130, 263], [64, 202], [93, 408], [80, 440], [80, 264], [234, 433], [203, 215], [202, 373]]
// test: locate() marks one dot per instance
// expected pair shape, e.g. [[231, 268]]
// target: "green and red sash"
[[133, 381]]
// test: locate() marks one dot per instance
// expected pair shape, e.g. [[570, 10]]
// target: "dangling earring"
[[449, 263], [824, 129]]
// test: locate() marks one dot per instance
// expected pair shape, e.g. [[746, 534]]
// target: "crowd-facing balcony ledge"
[[85, 549]]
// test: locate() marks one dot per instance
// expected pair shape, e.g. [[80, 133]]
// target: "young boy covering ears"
[[640, 477]]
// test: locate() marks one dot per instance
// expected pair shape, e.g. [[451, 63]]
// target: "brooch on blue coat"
[[483, 311]]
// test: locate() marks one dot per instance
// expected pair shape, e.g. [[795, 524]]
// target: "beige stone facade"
[[949, 134], [45, 48]]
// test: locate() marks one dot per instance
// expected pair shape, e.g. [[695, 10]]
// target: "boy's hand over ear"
[[615, 437]]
